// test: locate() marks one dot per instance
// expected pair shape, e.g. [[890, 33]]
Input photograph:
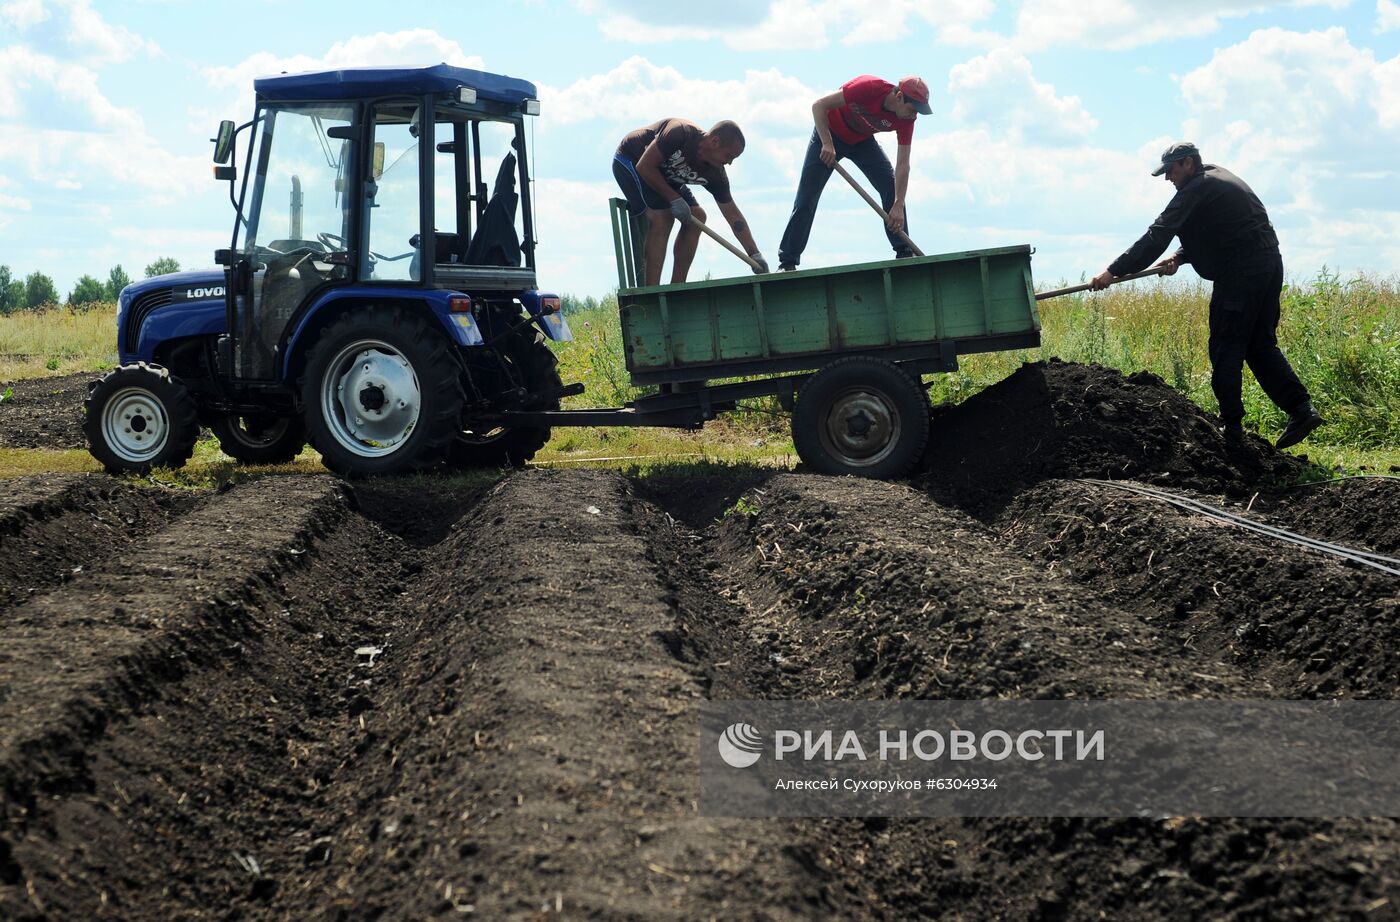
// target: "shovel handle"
[[753, 264], [1055, 293], [876, 205]]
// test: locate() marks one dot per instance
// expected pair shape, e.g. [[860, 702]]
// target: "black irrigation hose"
[[1366, 558]]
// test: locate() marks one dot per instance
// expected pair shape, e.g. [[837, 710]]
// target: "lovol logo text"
[[198, 294]]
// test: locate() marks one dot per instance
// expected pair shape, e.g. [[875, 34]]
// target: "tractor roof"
[[363, 82]]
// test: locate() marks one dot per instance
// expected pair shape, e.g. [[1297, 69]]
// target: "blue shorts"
[[640, 196]]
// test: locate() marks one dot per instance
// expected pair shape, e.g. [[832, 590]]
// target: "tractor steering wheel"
[[332, 242]]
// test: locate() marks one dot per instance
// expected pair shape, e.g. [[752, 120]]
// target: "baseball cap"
[[1178, 151], [916, 92]]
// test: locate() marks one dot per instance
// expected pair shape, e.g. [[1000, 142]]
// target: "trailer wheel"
[[382, 394], [538, 369], [861, 416], [261, 438], [138, 417]]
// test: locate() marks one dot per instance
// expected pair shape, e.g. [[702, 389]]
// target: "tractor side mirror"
[[223, 142], [378, 159]]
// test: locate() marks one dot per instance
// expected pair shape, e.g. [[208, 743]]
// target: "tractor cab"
[[359, 185]]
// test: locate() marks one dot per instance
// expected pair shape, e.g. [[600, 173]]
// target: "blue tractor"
[[378, 299]]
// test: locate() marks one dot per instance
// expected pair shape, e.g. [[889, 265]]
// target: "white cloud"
[[786, 24], [1311, 122], [36, 88], [410, 48], [1387, 16], [1119, 24], [75, 25], [767, 98], [1296, 94], [24, 14], [99, 40], [15, 203], [998, 89]]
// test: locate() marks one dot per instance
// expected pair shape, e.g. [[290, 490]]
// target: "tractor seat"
[[449, 248]]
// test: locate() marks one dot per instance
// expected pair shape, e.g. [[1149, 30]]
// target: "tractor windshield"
[[300, 198], [297, 217]]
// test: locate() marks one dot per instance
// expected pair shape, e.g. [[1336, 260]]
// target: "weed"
[[743, 506]]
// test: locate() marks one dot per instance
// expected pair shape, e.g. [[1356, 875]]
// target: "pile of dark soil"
[[1059, 419], [44, 412]]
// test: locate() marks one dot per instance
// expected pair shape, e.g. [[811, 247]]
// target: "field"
[[286, 696]]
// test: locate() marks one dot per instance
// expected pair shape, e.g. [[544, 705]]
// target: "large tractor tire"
[[861, 416], [538, 371], [382, 393], [260, 439], [139, 418]]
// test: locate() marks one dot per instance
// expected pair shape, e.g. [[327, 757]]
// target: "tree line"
[[36, 291]]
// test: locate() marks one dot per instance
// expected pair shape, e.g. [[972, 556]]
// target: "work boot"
[[785, 267], [1303, 421], [1234, 435]]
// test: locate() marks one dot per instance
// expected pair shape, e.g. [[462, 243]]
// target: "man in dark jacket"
[[1226, 235]]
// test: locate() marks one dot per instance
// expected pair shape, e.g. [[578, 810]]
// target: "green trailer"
[[843, 349]]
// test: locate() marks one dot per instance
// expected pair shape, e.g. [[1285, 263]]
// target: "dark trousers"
[[869, 158], [1244, 312]]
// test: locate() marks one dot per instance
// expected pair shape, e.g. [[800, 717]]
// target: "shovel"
[[1055, 293], [876, 205], [753, 264]]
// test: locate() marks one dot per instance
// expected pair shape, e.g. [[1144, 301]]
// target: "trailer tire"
[[138, 417], [260, 438], [513, 447], [382, 392], [861, 416]]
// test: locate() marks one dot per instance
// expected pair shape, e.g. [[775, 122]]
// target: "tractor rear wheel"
[[535, 365], [861, 416], [138, 418], [261, 438], [383, 394]]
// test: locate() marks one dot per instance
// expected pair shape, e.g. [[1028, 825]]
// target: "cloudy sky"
[[1048, 116]]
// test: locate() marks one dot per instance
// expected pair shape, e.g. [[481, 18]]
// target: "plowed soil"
[[298, 699], [44, 412]]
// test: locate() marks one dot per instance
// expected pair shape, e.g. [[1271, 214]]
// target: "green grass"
[[57, 341]]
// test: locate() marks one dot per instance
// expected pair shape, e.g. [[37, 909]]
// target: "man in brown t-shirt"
[[655, 166]]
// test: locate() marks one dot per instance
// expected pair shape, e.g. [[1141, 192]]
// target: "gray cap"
[[1178, 151]]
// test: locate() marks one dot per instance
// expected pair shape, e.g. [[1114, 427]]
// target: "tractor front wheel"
[[138, 417]]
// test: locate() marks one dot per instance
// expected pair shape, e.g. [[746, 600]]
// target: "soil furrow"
[[1305, 623], [806, 611], [152, 706], [1363, 512], [45, 412], [52, 527], [537, 752], [870, 590]]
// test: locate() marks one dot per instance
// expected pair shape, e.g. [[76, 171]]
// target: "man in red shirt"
[[846, 124], [655, 167]]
